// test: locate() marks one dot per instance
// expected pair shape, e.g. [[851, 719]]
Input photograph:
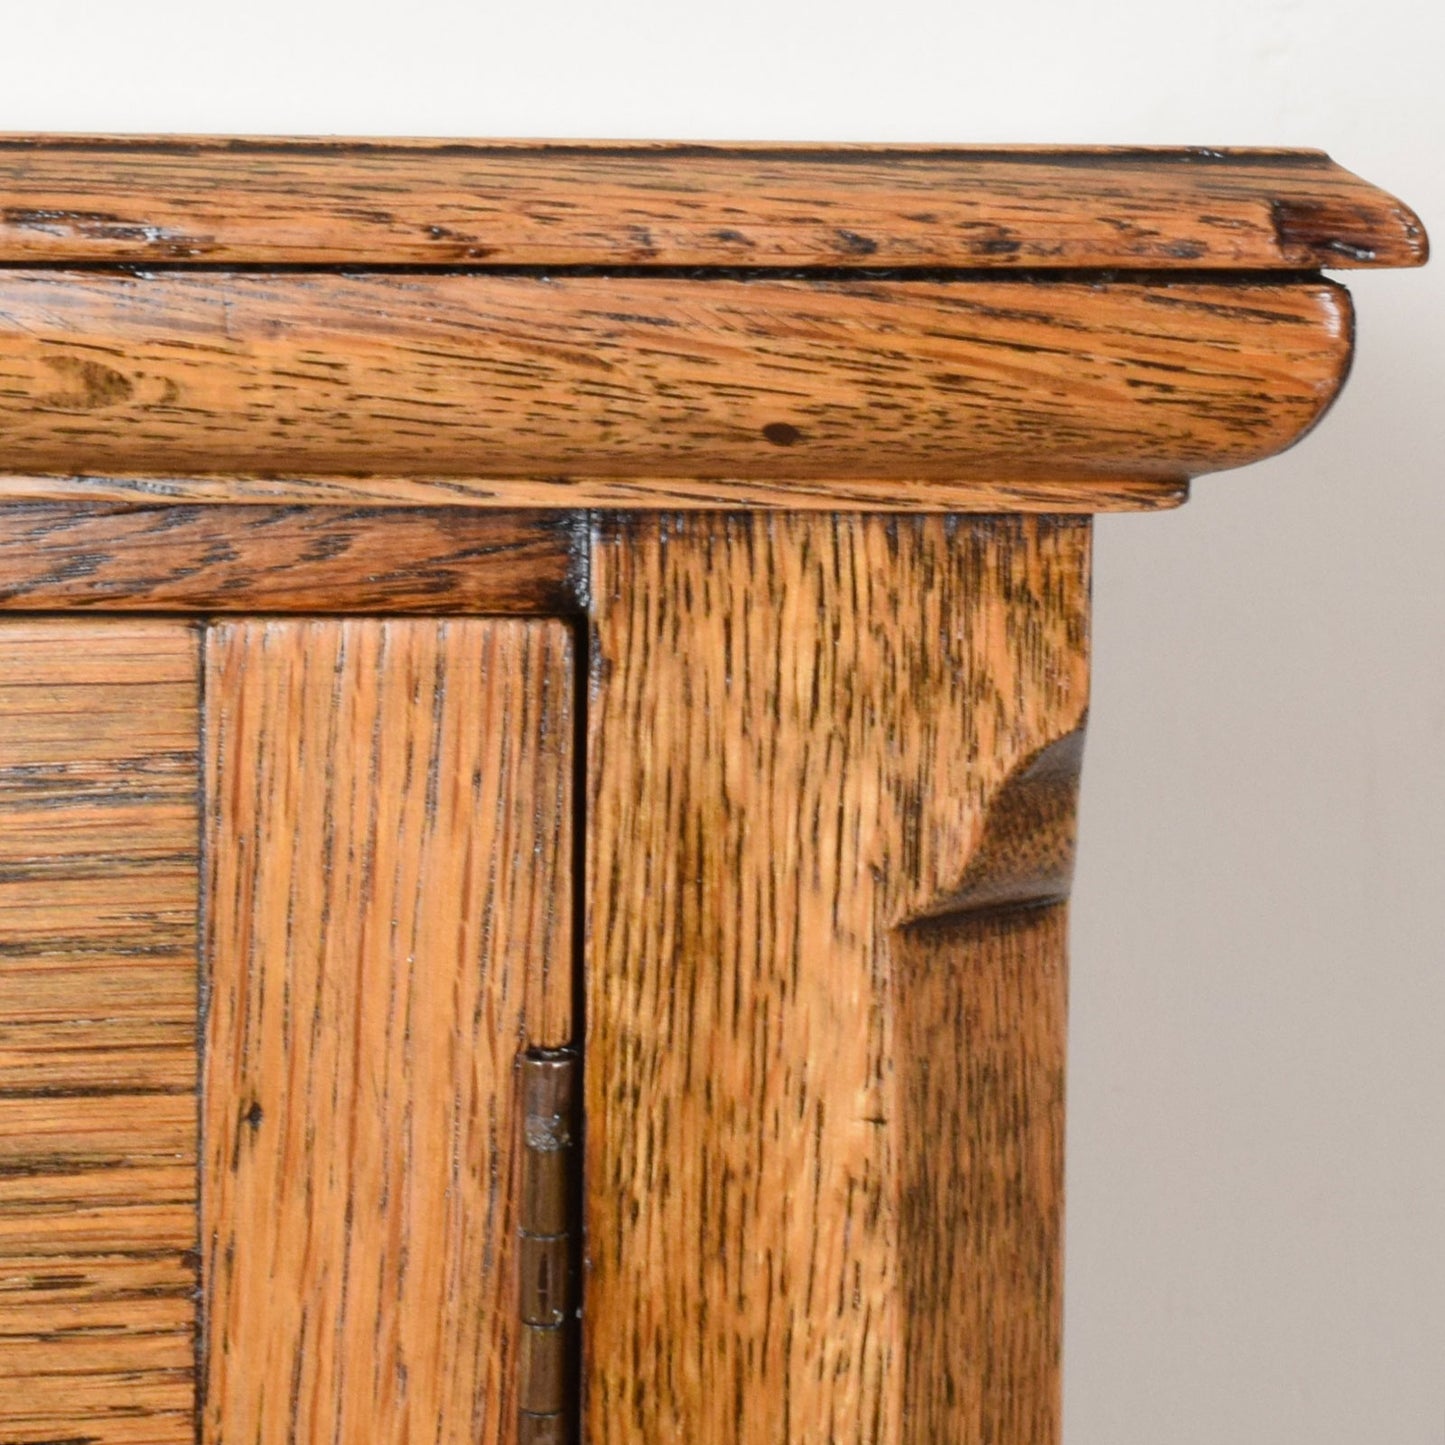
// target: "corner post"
[[832, 764]]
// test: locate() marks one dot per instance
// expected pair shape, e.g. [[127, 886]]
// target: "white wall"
[[1257, 1142]]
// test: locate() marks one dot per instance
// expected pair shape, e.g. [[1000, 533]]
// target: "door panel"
[[99, 773], [389, 923]]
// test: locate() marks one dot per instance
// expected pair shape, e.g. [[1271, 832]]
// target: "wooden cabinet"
[[541, 700]]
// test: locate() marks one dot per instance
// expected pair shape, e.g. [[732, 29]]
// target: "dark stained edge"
[[1024, 857], [1335, 235], [225, 558], [202, 1343], [1024, 276], [583, 639]]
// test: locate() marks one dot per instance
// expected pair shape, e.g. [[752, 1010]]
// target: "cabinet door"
[[317, 872]]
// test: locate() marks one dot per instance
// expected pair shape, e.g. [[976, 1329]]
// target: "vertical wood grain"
[[831, 765], [389, 923], [99, 773], [980, 1076]]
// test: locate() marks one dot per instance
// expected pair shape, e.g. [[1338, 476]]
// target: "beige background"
[[1257, 1167]]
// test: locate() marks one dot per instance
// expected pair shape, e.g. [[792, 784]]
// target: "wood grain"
[[840, 850], [390, 923], [292, 558], [99, 774], [980, 1087], [858, 494], [496, 376], [270, 201]]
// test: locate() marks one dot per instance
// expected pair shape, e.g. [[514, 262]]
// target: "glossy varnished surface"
[[376, 202], [389, 926], [648, 378], [99, 772], [840, 848]]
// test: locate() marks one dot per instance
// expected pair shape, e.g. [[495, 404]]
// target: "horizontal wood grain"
[[390, 925], [337, 202], [654, 378], [832, 771], [703, 494], [292, 558], [99, 888]]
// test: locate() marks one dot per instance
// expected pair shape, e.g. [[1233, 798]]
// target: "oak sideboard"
[[541, 701]]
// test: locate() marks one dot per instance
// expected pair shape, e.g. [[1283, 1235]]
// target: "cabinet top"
[[257, 201]]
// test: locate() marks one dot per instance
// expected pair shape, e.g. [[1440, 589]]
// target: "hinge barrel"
[[546, 1246]]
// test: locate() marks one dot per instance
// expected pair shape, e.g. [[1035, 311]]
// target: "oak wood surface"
[[389, 924], [832, 769], [276, 201], [832, 762], [652, 377], [857, 494], [286, 558], [99, 774], [979, 1067]]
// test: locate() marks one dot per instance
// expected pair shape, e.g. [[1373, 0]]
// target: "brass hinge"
[[546, 1243]]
